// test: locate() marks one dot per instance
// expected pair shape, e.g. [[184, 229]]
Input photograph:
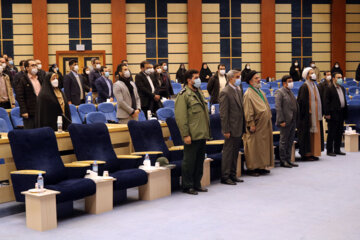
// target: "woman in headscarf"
[[85, 74], [295, 72], [357, 74], [51, 103], [310, 123], [54, 69], [336, 68], [181, 73], [205, 73], [245, 71]]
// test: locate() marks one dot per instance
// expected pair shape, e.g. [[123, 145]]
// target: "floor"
[[317, 200]]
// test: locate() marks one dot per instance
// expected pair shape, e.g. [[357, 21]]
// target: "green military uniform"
[[192, 118]]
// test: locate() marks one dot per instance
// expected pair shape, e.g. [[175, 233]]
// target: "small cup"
[[157, 164], [106, 174], [108, 100]]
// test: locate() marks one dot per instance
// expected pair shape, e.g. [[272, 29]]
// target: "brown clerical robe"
[[258, 146]]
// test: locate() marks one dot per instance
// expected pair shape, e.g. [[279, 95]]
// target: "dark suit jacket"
[[103, 89], [213, 88], [232, 112], [72, 89], [25, 95], [17, 78], [332, 104], [284, 107], [144, 90], [94, 74]]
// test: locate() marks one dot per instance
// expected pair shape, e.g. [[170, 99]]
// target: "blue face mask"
[[107, 74], [238, 82], [11, 62], [197, 83], [339, 81]]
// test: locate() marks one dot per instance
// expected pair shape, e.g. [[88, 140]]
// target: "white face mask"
[[127, 74], [336, 65], [248, 67], [3, 65], [98, 66], [296, 64], [87, 72], [39, 66], [290, 85], [328, 78], [76, 68], [313, 77], [222, 72], [1, 69], [55, 83], [158, 70], [165, 68], [313, 65], [34, 71], [148, 71]]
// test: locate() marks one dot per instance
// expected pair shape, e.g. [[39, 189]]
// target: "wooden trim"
[[195, 33], [118, 20], [268, 38], [338, 33], [40, 32]]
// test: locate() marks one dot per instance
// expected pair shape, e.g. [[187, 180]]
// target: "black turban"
[[250, 75]]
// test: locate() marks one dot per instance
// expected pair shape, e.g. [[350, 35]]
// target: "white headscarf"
[[306, 72]]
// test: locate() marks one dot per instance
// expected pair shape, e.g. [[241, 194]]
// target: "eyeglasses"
[[33, 65]]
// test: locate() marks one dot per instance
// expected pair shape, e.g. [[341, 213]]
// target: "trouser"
[[230, 155], [192, 164], [29, 122], [335, 132], [94, 96], [126, 120], [5, 105], [287, 136]]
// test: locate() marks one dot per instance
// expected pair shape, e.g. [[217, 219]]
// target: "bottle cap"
[[59, 119]]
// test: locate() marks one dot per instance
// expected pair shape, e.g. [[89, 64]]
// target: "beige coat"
[[258, 146], [9, 90]]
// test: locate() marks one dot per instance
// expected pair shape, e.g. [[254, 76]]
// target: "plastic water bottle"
[[357, 91], [212, 109], [95, 167], [89, 99], [40, 181], [205, 155], [59, 124], [149, 115], [147, 162]]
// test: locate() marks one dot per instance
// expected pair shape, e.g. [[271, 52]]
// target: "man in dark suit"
[[19, 74], [286, 116], [146, 88], [233, 126], [41, 72], [94, 74], [104, 86], [217, 83], [336, 112], [27, 90], [74, 85]]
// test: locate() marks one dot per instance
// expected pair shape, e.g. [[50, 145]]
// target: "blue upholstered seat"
[[5, 116], [176, 87], [164, 113], [174, 132], [351, 83], [37, 149], [203, 86], [216, 105], [169, 104], [98, 147], [352, 91], [108, 110], [84, 109], [142, 116], [75, 117], [95, 117], [16, 119], [3, 126]]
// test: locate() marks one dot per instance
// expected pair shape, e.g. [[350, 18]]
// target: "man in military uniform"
[[192, 118]]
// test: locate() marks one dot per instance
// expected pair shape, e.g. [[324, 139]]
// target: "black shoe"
[[332, 154], [340, 153], [292, 164], [252, 173], [263, 171], [228, 182], [315, 158], [235, 179], [285, 165], [190, 191], [306, 158], [201, 189]]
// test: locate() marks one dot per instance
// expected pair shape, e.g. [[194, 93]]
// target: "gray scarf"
[[311, 87]]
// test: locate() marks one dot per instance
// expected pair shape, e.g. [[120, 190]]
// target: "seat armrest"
[[215, 142], [23, 180], [76, 169], [176, 148], [28, 172]]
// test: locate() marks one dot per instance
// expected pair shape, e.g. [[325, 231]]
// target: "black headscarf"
[[205, 72], [295, 74], [180, 74], [357, 74], [250, 75], [245, 72], [337, 69], [48, 107], [61, 78]]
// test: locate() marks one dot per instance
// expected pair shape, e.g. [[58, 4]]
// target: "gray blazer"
[[285, 109], [122, 95], [232, 111]]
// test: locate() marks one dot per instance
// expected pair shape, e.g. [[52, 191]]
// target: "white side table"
[[205, 180], [352, 142], [102, 200], [158, 185]]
